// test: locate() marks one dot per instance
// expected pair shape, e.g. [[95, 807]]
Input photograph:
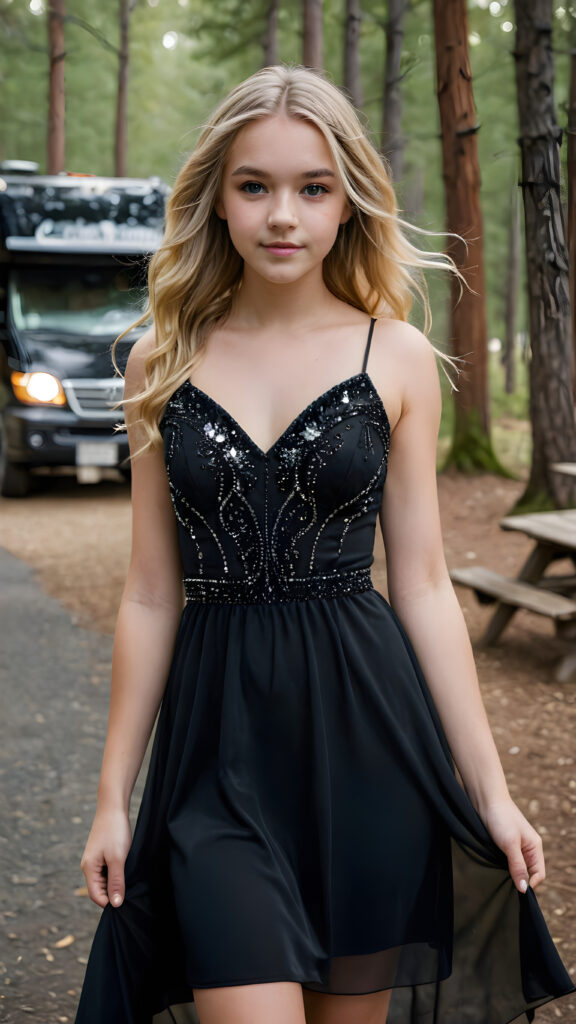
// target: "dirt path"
[[78, 540]]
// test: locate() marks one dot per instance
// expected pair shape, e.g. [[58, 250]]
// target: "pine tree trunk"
[[512, 287], [392, 138], [413, 193], [471, 447], [312, 34], [270, 45], [56, 142], [351, 58], [125, 10], [571, 226], [551, 399]]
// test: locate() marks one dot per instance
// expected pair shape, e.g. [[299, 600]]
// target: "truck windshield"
[[93, 303]]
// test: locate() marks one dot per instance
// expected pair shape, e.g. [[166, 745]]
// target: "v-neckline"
[[265, 454]]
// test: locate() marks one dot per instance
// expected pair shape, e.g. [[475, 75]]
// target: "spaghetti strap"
[[368, 343]]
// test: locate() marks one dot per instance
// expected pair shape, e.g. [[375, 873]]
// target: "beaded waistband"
[[303, 588]]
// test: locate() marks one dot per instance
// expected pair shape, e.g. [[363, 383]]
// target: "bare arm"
[[423, 597], [148, 620]]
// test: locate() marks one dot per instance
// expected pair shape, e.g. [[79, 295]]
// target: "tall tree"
[[551, 398], [270, 44], [125, 10], [312, 35], [353, 21], [571, 168], [471, 447], [392, 138], [56, 142], [512, 288]]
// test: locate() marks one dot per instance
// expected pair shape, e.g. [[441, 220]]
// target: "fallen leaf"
[[62, 943]]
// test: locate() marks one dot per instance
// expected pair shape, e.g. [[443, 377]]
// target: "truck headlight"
[[38, 388]]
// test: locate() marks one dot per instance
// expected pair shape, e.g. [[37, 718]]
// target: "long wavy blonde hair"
[[195, 274]]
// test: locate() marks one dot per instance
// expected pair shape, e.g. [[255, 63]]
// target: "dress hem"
[[528, 1012]]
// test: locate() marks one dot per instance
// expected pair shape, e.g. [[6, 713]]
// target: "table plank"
[[556, 528], [512, 592]]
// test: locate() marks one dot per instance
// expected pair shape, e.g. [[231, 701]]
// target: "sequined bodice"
[[292, 523]]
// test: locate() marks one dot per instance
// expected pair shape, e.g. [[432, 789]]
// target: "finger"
[[534, 858], [517, 867], [96, 881], [115, 882]]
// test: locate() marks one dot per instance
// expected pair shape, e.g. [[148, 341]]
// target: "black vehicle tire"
[[15, 480]]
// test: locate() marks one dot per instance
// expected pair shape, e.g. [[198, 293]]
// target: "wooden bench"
[[554, 538], [513, 593]]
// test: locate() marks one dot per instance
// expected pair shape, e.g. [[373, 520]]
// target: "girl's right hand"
[[105, 855]]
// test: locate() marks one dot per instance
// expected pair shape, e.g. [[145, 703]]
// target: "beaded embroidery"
[[266, 527]]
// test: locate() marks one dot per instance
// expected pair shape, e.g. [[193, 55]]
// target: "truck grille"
[[95, 399]]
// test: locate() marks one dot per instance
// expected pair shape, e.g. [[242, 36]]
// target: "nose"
[[282, 212]]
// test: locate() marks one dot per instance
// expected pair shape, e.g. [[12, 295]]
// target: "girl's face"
[[282, 198]]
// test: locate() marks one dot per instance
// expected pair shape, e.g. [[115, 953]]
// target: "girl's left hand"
[[518, 840]]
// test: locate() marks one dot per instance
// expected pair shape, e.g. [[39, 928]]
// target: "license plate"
[[90, 453]]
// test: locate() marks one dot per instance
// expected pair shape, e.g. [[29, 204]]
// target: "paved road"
[[54, 681]]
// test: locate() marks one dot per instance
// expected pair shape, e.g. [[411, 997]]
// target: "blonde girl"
[[304, 852]]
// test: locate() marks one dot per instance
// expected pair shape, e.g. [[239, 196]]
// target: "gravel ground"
[[53, 679], [55, 665]]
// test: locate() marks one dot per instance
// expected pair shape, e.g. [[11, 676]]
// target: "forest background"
[[185, 55]]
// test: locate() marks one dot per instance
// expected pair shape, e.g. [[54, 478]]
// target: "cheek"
[[241, 217], [327, 224]]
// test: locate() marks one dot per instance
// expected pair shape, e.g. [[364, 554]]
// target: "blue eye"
[[315, 194], [251, 187]]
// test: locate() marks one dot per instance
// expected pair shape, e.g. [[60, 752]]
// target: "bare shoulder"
[[403, 361], [136, 365], [403, 342]]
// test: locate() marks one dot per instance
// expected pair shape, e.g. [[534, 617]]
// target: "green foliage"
[[510, 427], [532, 501], [514, 406], [23, 69], [471, 450]]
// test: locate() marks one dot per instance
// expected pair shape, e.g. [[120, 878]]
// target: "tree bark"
[[125, 10], [512, 287], [471, 447], [351, 57], [571, 225], [56, 142], [392, 138], [312, 34], [270, 43], [551, 398], [413, 193]]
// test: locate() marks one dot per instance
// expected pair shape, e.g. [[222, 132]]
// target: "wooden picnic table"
[[554, 536]]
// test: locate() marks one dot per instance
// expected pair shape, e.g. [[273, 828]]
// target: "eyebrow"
[[320, 172]]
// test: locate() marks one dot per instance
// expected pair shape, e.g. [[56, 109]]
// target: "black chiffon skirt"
[[302, 821]]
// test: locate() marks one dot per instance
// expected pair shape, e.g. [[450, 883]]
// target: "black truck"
[[73, 260]]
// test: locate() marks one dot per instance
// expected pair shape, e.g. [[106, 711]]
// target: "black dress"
[[301, 819]]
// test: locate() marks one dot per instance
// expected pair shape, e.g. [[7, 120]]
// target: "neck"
[[264, 304]]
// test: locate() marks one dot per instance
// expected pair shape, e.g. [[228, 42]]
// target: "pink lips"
[[282, 248]]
